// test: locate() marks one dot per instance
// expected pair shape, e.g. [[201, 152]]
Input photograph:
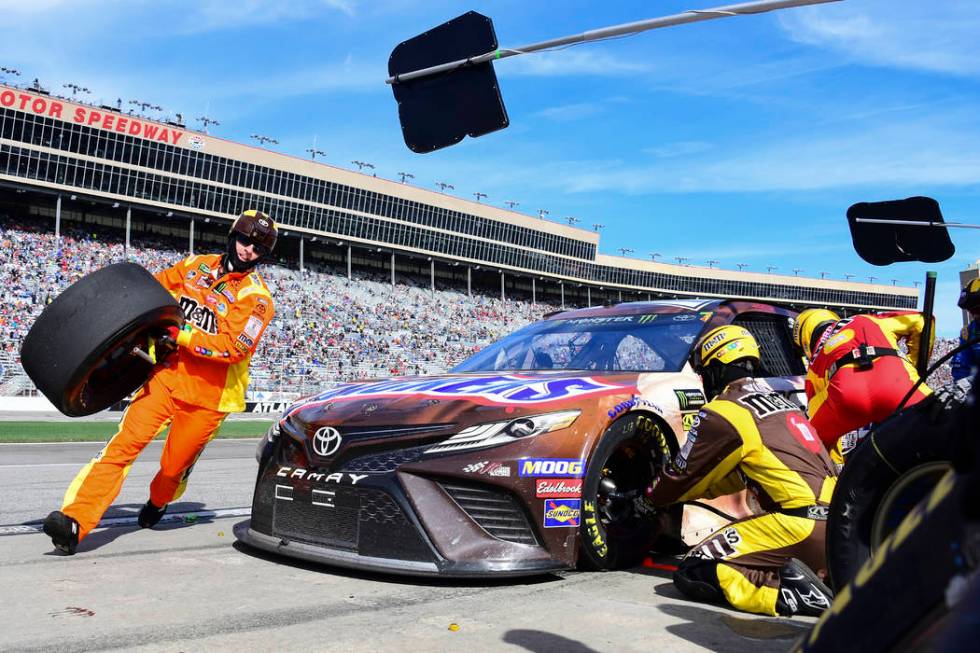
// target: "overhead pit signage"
[[107, 120]]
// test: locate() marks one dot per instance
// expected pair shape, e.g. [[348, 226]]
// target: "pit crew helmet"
[[724, 354], [970, 296], [251, 227], [808, 327]]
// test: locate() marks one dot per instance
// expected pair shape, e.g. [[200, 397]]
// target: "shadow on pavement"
[[713, 628], [540, 641], [106, 534]]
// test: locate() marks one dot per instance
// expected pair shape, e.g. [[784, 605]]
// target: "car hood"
[[457, 399]]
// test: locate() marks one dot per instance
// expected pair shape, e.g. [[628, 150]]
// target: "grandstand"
[[372, 277]]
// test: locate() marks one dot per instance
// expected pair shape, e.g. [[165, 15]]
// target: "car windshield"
[[621, 343]]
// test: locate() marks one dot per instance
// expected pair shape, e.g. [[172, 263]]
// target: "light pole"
[[895, 282], [313, 152], [572, 221], [796, 271], [823, 275], [479, 195], [443, 186], [542, 213], [770, 268], [363, 164], [75, 89], [848, 277], [264, 139], [681, 259], [741, 266], [9, 71], [596, 226], [625, 251], [871, 279], [654, 255], [406, 175], [206, 122], [511, 204], [711, 263]]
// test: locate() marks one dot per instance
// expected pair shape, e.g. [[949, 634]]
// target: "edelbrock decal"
[[504, 389]]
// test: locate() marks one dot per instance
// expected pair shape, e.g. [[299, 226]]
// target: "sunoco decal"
[[551, 467], [507, 389], [560, 513]]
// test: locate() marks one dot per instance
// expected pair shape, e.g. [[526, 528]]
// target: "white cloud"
[[571, 112], [680, 148], [569, 62], [212, 15], [902, 155], [939, 37]]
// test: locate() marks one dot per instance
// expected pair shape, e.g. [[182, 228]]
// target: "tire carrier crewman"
[[202, 377]]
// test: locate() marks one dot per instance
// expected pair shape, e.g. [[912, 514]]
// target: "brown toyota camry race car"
[[530, 456]]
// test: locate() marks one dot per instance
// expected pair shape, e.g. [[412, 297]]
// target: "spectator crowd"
[[327, 328]]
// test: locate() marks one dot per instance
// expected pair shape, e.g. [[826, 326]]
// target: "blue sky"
[[741, 140]]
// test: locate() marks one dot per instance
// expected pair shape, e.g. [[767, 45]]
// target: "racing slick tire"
[[889, 472], [618, 527], [78, 352]]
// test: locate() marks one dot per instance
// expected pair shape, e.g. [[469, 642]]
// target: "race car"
[[530, 456]]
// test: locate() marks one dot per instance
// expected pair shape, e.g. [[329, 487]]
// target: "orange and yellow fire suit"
[[858, 374], [752, 437], [192, 392]]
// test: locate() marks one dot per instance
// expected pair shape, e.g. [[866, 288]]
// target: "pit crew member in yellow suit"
[[747, 435]]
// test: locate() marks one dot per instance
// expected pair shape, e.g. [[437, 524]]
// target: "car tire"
[[78, 350], [889, 472], [618, 533]]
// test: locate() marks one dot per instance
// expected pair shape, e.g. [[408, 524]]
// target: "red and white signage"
[[107, 120], [558, 488]]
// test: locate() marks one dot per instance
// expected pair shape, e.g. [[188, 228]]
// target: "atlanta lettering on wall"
[[107, 120]]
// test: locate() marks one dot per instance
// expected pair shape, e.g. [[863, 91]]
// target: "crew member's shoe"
[[63, 531], [150, 515], [801, 591]]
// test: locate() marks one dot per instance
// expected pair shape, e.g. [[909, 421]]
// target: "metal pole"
[[919, 223], [683, 18], [561, 284], [534, 291], [588, 294], [57, 223], [930, 295], [469, 281], [301, 268], [128, 227], [348, 263], [190, 244], [392, 269], [502, 297], [432, 275]]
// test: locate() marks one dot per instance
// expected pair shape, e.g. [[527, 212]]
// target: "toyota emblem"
[[326, 441]]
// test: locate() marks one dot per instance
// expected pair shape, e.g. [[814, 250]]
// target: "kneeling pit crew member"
[[747, 435], [201, 376]]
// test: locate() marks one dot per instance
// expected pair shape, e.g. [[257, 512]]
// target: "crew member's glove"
[[164, 346]]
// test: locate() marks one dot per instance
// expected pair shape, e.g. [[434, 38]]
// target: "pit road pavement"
[[187, 586]]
